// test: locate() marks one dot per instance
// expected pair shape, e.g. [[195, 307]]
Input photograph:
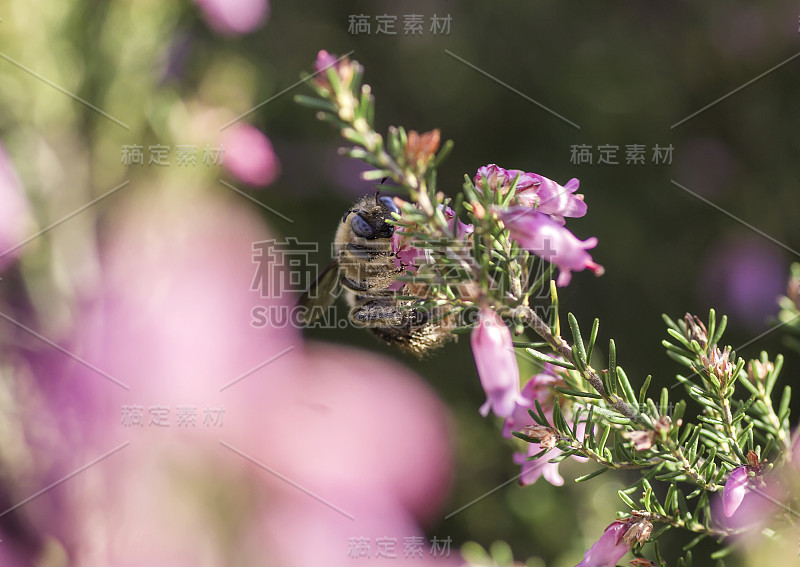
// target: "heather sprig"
[[495, 273]]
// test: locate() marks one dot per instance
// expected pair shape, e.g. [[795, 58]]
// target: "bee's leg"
[[354, 285], [378, 313], [365, 289], [385, 312], [364, 252]]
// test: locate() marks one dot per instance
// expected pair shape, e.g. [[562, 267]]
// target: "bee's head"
[[368, 219]]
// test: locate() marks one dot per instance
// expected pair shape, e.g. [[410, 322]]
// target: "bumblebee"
[[364, 266]]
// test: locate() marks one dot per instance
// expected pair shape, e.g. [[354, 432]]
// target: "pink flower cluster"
[[538, 388], [499, 375], [534, 191], [536, 219]]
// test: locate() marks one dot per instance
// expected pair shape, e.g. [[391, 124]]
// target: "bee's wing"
[[320, 295]]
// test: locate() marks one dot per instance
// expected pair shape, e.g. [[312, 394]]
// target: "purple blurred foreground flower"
[[607, 550], [177, 331], [14, 210], [735, 490], [249, 155], [497, 365], [550, 241], [234, 17]]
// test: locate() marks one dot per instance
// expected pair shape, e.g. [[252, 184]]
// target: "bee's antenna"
[[378, 189]]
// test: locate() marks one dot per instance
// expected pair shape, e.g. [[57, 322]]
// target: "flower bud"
[[639, 532], [420, 148], [642, 440], [547, 437], [719, 364], [758, 371], [696, 330]]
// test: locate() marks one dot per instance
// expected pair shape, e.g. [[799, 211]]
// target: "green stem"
[[695, 527], [590, 374], [677, 453], [596, 457]]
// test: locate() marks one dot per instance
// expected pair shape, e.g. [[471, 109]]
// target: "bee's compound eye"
[[388, 202], [361, 227]]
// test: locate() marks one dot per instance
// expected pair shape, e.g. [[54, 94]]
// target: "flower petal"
[[550, 241], [497, 365], [607, 550], [734, 491]]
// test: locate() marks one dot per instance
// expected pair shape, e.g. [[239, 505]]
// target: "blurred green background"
[[628, 74]]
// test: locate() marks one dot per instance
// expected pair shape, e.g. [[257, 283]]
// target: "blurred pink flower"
[[302, 533], [609, 549], [744, 276], [497, 364], [361, 426], [550, 241], [14, 210], [234, 17], [343, 69], [325, 61], [735, 490], [249, 155], [171, 320]]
